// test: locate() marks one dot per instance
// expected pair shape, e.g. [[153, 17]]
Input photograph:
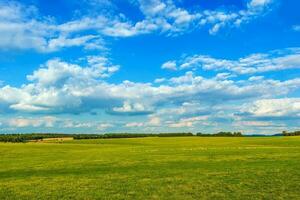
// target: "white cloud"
[[14, 123], [285, 107], [104, 126], [254, 124], [165, 15], [159, 80], [23, 27], [154, 121], [131, 109], [258, 3], [60, 87], [255, 63], [56, 87], [21, 122], [134, 124], [64, 42], [181, 124], [185, 79], [59, 72], [28, 108], [171, 65], [186, 101], [190, 122], [256, 78], [224, 75], [73, 124]]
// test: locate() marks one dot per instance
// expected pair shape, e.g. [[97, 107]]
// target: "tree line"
[[41, 136], [295, 133], [221, 134], [129, 135], [30, 137]]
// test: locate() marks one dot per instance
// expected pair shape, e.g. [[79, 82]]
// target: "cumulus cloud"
[[74, 124], [58, 87], [274, 108], [255, 63], [188, 100], [104, 126], [21, 122], [134, 124], [130, 109], [187, 110], [189, 122], [61, 87], [57, 72], [169, 65], [154, 121], [159, 80]]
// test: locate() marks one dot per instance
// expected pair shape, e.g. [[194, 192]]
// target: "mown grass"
[[152, 168]]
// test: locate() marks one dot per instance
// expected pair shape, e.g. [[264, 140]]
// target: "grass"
[[152, 168]]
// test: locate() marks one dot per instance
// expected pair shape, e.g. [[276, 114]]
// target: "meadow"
[[152, 168]]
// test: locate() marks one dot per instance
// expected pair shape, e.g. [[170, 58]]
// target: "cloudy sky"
[[94, 66]]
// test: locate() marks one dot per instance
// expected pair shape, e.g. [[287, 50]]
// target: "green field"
[[152, 168]]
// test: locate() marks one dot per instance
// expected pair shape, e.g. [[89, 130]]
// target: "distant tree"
[[220, 134], [284, 133], [295, 133]]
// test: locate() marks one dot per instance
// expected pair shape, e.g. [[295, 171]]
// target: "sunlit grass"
[[152, 168]]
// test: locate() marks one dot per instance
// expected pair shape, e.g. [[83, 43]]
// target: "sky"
[[98, 66]]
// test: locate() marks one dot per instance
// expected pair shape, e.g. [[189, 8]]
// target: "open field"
[[152, 168]]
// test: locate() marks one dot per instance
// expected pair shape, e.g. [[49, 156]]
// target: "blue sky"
[[95, 66]]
